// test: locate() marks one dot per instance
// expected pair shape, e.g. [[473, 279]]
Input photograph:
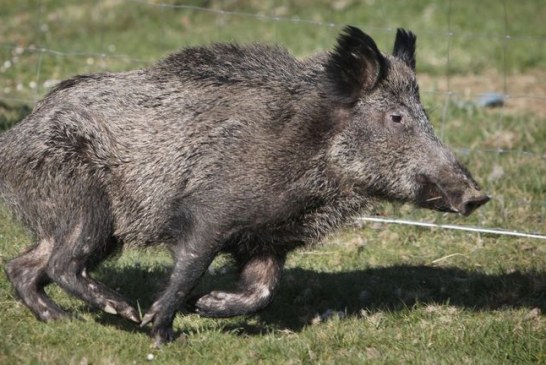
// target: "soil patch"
[[524, 93]]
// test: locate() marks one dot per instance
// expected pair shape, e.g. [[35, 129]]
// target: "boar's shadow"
[[305, 294]]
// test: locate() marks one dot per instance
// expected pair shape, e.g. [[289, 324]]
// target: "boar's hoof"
[[214, 304], [148, 318], [223, 304], [131, 314], [162, 335], [162, 331], [122, 309]]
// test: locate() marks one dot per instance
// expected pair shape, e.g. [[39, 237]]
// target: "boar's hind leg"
[[80, 245], [259, 279], [28, 276]]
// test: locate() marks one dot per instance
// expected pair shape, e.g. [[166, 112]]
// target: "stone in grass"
[[490, 100]]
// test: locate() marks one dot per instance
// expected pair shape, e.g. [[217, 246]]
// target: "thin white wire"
[[496, 231]]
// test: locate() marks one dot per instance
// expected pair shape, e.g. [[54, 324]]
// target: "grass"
[[374, 293], [395, 300]]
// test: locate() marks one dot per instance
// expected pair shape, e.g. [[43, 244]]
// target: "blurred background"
[[481, 66]]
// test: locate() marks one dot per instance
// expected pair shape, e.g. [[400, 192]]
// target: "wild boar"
[[222, 148]]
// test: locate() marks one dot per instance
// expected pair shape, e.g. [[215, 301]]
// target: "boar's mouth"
[[436, 196]]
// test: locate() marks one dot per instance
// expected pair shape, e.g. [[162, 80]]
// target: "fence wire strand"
[[495, 231]]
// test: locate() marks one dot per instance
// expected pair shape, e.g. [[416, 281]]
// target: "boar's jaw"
[[434, 195]]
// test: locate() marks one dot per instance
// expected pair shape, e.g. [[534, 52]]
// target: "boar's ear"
[[356, 65], [404, 47]]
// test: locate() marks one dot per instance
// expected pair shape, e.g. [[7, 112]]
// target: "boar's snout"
[[457, 195], [472, 200]]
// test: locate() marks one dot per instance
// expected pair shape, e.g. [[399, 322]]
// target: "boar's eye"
[[396, 118]]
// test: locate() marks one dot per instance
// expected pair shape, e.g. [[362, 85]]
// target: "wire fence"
[[447, 97]]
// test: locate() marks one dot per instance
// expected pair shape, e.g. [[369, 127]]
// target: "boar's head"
[[385, 143]]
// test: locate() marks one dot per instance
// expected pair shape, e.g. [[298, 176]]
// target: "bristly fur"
[[404, 47], [355, 66], [221, 148]]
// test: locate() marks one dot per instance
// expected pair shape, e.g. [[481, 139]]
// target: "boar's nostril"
[[470, 205]]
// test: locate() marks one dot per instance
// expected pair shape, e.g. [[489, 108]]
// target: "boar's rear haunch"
[[224, 148]]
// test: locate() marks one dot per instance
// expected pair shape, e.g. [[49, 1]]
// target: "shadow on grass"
[[399, 287], [304, 293]]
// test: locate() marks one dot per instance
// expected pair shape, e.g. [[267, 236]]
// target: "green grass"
[[403, 294], [421, 304]]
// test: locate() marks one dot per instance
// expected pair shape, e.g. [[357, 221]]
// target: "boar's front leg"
[[260, 276], [193, 254]]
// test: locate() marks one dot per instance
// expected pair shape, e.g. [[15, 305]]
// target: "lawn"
[[373, 293]]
